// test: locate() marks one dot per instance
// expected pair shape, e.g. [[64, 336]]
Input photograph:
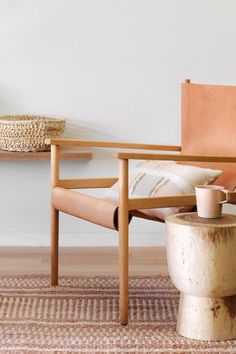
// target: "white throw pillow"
[[162, 178]]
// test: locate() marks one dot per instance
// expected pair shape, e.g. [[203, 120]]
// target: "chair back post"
[[54, 165]]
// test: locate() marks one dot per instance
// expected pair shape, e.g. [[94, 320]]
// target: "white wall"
[[112, 68]]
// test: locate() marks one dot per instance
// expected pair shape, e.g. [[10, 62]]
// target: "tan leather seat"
[[95, 210]]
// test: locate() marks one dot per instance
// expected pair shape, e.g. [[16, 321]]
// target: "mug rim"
[[209, 187]]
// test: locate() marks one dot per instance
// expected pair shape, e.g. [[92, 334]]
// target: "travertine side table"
[[201, 256]]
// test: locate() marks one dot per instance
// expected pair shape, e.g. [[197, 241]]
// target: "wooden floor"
[[84, 261]]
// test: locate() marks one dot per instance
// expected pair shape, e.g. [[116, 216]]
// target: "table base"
[[207, 318]]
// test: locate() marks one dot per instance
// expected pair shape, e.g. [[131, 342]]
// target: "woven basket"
[[28, 133]]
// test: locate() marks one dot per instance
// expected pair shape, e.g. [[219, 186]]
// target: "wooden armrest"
[[177, 157], [107, 144], [161, 202]]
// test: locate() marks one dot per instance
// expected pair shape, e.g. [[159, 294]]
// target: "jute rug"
[[81, 316]]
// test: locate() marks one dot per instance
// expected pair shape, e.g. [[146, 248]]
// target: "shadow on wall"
[[75, 129], [81, 130]]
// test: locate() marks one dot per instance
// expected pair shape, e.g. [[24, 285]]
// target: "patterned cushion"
[[163, 178]]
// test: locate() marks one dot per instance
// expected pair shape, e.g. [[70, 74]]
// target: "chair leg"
[[123, 239], [54, 245], [124, 271]]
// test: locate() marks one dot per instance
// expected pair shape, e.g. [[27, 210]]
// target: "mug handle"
[[226, 196]]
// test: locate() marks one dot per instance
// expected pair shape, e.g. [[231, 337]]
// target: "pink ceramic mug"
[[210, 199]]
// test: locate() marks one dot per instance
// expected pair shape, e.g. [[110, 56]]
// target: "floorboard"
[[84, 261]]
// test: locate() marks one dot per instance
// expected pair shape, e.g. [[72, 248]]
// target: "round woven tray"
[[28, 133]]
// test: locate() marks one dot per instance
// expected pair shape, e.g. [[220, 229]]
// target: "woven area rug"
[[81, 316]]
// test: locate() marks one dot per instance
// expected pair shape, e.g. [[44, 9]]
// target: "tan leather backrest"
[[209, 125]]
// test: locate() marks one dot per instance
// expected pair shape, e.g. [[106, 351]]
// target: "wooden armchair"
[[208, 138]]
